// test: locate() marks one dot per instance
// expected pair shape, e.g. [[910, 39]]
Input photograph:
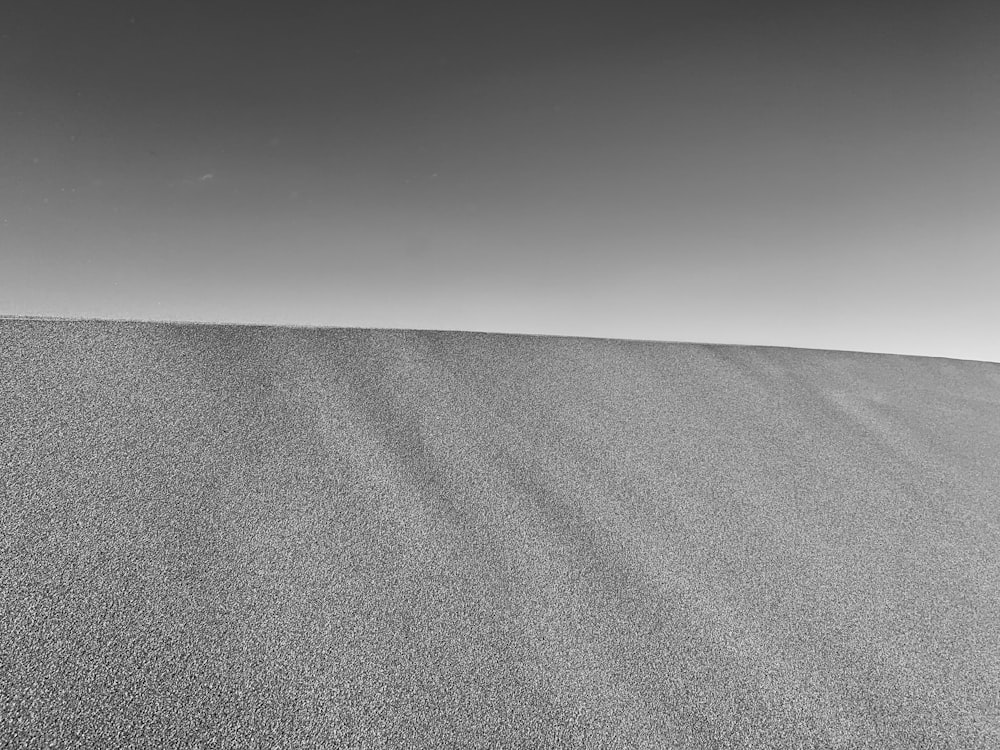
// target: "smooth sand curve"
[[266, 537]]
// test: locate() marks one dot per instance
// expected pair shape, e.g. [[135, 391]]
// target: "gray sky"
[[767, 173]]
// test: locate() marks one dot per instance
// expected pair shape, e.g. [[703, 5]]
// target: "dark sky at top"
[[746, 172]]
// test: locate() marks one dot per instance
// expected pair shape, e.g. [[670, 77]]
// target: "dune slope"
[[266, 537]]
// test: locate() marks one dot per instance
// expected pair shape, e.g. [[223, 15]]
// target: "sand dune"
[[265, 537]]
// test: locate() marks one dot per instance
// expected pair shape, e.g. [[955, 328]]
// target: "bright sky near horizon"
[[775, 173]]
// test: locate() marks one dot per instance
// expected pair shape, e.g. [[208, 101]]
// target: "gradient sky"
[[735, 172]]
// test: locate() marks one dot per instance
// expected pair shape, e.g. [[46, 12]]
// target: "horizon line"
[[309, 326]]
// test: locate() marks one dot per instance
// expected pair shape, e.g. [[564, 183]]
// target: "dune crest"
[[371, 538]]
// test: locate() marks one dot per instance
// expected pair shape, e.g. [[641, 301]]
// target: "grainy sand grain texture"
[[219, 536]]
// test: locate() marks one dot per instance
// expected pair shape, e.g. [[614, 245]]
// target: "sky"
[[774, 173]]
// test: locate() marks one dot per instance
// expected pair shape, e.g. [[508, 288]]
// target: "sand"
[[245, 536]]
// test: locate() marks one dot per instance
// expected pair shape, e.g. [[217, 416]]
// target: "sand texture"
[[219, 536]]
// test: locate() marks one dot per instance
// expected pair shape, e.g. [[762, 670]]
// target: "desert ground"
[[239, 536]]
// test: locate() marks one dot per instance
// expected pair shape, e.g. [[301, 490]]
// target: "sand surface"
[[258, 537]]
